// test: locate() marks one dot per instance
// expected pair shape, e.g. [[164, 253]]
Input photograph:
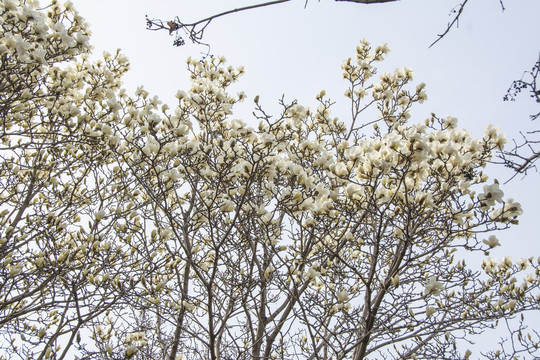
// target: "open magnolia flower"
[[491, 241], [433, 287]]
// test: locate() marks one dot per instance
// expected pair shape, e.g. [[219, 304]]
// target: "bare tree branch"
[[456, 13], [195, 30], [458, 10], [528, 81], [238, 10], [523, 156]]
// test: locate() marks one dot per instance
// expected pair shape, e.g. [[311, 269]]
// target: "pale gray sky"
[[289, 50]]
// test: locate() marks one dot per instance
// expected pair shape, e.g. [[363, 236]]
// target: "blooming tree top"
[[168, 232]]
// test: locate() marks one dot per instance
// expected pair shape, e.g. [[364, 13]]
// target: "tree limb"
[[195, 30], [525, 154], [458, 12]]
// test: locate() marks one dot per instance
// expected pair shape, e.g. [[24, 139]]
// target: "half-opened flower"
[[433, 287], [491, 241], [491, 194], [342, 296], [312, 273]]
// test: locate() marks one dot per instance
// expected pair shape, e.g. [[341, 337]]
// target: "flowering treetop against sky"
[[130, 228]]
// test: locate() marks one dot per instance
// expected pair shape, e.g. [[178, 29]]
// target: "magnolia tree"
[[129, 230]]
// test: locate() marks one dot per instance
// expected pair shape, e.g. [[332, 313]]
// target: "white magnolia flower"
[[342, 296], [510, 305], [354, 191], [491, 241], [99, 215], [512, 208], [312, 273], [491, 194], [492, 133], [227, 206], [131, 350], [172, 175], [10, 4], [523, 263], [433, 286], [341, 169], [268, 272], [16, 270]]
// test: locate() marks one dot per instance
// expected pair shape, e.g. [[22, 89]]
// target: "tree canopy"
[[129, 229], [521, 157]]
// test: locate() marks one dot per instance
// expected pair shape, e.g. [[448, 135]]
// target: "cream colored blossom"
[[491, 241], [433, 287]]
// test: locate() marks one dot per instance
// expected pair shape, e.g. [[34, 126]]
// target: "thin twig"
[[451, 24], [237, 10]]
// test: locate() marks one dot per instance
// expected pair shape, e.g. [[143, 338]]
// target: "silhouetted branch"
[[521, 341], [523, 156], [456, 12], [195, 30], [455, 21], [527, 81]]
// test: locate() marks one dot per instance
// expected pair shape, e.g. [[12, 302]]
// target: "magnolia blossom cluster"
[[514, 286], [138, 338], [217, 235], [29, 34]]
